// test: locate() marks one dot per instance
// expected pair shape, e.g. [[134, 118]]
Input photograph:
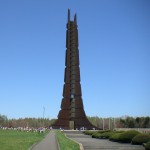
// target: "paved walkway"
[[48, 143], [100, 144]]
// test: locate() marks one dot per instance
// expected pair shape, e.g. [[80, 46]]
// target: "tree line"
[[121, 122], [25, 122], [102, 123]]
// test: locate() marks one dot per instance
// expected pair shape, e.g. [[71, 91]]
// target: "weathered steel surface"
[[72, 105]]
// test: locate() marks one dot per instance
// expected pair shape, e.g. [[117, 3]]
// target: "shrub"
[[115, 137], [106, 135], [127, 136], [85, 131], [147, 146], [100, 131], [121, 131], [101, 134], [141, 138], [89, 132], [103, 131], [96, 135]]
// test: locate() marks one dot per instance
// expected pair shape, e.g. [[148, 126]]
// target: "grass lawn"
[[16, 140], [65, 143]]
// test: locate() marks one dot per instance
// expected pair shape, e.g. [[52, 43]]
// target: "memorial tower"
[[72, 114]]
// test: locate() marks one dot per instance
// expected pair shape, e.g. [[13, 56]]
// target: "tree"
[[130, 122], [138, 120], [3, 120], [146, 122]]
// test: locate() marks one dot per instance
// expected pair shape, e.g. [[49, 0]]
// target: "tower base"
[[72, 115], [76, 124]]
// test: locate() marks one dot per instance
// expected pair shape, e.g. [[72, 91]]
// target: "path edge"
[[32, 146], [57, 141], [80, 144]]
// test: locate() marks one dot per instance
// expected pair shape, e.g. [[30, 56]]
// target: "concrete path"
[[100, 144], [48, 143]]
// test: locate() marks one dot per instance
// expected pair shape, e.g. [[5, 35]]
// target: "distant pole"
[[109, 123], [114, 123], [27, 125], [43, 115], [103, 124]]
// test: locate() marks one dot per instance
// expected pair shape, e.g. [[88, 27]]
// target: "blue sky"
[[114, 45]]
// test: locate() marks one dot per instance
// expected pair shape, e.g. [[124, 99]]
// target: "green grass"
[[65, 143], [16, 140]]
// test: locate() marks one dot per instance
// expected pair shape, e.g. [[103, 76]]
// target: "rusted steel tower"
[[72, 115]]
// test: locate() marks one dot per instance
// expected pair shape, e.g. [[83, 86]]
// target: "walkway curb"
[[57, 142], [48, 143], [32, 146], [80, 144]]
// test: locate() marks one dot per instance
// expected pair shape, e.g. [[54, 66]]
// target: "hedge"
[[115, 137], [96, 135], [126, 137], [147, 146], [141, 138], [89, 132], [103, 131], [123, 137], [103, 135], [106, 135]]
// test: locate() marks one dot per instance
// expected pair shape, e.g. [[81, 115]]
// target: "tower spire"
[[72, 114], [75, 18], [68, 15]]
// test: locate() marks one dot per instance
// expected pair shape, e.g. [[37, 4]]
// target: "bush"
[[106, 135], [127, 136], [115, 137], [100, 131], [141, 138], [96, 135], [123, 136], [121, 131], [101, 134], [147, 146], [103, 131], [89, 132]]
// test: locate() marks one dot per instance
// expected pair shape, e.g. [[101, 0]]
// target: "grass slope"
[[16, 140], [65, 143]]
